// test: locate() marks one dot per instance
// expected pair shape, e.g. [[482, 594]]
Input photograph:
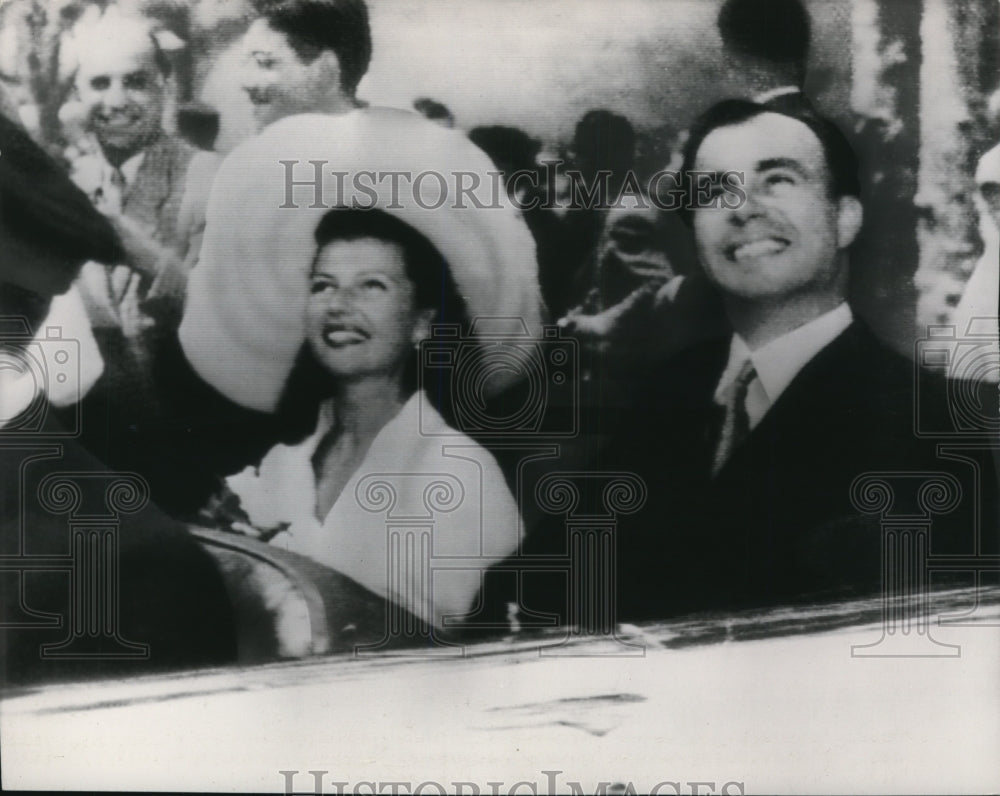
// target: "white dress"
[[423, 517]]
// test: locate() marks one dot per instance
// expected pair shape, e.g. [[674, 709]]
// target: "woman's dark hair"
[[426, 268], [434, 288]]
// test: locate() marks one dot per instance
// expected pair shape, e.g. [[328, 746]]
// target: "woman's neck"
[[363, 407], [361, 410]]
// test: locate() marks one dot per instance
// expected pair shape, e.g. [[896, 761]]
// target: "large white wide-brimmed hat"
[[244, 320]]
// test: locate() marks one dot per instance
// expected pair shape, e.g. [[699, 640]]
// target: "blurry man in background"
[[152, 187], [977, 311], [305, 56]]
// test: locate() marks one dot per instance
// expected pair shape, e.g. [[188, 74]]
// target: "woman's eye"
[[319, 286], [264, 63], [374, 285]]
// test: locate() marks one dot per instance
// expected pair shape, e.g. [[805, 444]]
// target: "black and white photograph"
[[500, 396]]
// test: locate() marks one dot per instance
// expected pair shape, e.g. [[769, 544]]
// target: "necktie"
[[735, 422], [113, 192]]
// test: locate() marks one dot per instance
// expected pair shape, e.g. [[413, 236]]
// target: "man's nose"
[[753, 206], [115, 97], [252, 77]]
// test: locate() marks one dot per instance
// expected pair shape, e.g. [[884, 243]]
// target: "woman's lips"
[[337, 336]]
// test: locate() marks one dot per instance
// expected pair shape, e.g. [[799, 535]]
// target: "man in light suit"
[[152, 187], [749, 443]]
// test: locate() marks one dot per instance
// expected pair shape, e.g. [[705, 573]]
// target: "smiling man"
[[749, 443], [779, 259], [305, 56], [152, 187]]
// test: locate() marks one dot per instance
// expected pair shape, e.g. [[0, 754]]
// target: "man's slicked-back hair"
[[841, 161], [313, 26]]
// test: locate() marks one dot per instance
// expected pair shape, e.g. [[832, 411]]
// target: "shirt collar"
[[778, 362], [774, 93], [129, 169]]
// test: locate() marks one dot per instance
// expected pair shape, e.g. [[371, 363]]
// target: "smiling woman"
[[321, 315], [376, 287]]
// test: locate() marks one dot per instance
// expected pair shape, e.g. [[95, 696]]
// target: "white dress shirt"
[[778, 362], [774, 93], [111, 190]]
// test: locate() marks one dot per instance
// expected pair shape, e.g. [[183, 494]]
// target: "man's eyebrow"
[[783, 163]]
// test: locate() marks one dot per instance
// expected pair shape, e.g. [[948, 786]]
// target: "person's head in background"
[[305, 56], [765, 47], [777, 251], [122, 83], [988, 169], [604, 142], [512, 150], [434, 111]]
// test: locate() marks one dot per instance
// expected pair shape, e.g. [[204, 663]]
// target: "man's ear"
[[422, 327], [850, 216], [327, 67]]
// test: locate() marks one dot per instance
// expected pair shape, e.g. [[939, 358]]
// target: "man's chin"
[[122, 140], [264, 114]]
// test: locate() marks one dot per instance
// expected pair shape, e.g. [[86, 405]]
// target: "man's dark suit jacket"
[[777, 525]]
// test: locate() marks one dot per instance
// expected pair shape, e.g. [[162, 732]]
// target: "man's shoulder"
[[171, 149]]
